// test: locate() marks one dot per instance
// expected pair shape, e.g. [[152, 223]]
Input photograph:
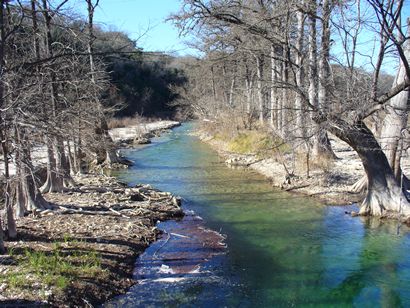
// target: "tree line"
[[305, 69], [61, 77]]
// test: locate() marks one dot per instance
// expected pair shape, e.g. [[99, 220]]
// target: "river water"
[[270, 248]]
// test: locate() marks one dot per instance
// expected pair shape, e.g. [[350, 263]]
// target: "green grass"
[[56, 268]]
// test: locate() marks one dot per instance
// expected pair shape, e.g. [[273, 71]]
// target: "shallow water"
[[282, 249]]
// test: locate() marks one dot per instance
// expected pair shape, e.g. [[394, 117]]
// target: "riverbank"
[[93, 236], [329, 182], [83, 251], [140, 133]]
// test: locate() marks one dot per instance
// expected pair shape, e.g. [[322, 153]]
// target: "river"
[[278, 249]]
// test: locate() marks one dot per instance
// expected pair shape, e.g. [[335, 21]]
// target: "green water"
[[283, 250]]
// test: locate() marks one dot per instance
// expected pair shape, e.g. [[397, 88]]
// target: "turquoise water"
[[282, 249]]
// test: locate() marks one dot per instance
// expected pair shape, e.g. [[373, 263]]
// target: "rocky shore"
[[141, 133]]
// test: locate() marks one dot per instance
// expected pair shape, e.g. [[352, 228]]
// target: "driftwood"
[[108, 198]]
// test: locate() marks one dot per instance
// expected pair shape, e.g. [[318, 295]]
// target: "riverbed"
[[247, 244]]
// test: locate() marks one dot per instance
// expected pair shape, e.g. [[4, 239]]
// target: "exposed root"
[[360, 186]]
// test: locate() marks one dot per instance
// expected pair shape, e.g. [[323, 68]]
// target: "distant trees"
[[142, 84], [286, 46]]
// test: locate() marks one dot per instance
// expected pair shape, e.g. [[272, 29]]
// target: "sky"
[[135, 17], [144, 21]]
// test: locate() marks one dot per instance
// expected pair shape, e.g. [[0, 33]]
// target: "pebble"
[[3, 287], [48, 292]]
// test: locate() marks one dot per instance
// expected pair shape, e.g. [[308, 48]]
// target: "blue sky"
[[134, 17], [144, 21]]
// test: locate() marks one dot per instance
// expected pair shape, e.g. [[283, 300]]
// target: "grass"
[[261, 143], [54, 269]]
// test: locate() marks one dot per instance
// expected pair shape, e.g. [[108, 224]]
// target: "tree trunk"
[[72, 159], [280, 105], [231, 91], [395, 120], [11, 223], [284, 106], [57, 177], [2, 249], [384, 193], [313, 82], [2, 45], [300, 76], [63, 164], [248, 88], [394, 123], [248, 85], [54, 182], [28, 197], [273, 90], [225, 91], [322, 146], [259, 72]]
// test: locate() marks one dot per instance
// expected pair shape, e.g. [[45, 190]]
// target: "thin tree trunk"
[[72, 159], [284, 105], [2, 45], [57, 176], [259, 72], [213, 84], [11, 223], [280, 105], [248, 86], [2, 248], [111, 156], [273, 90], [231, 91], [225, 92], [54, 182], [313, 74], [300, 76], [322, 145]]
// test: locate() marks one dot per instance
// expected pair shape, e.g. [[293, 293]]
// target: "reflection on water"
[[283, 250]]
